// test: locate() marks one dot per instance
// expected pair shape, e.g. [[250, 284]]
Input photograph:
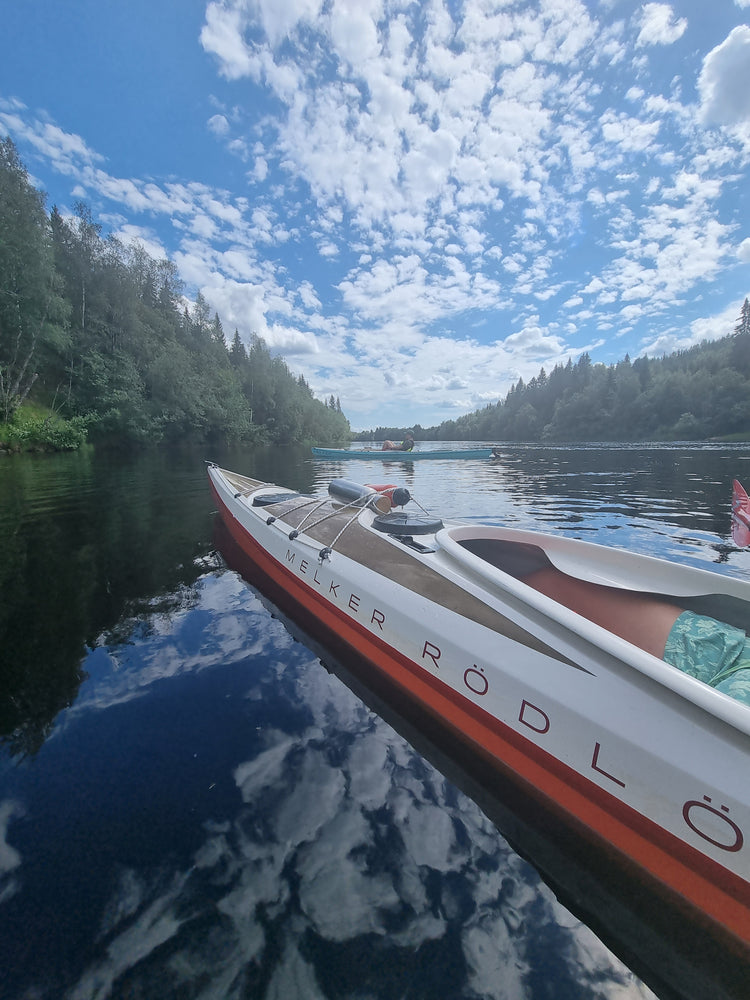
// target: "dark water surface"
[[193, 806]]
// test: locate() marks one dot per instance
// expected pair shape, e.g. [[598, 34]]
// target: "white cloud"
[[534, 342], [221, 35], [128, 234], [280, 17], [630, 134], [290, 342], [260, 169], [572, 302], [743, 251], [218, 124], [66, 151], [712, 327], [658, 26], [724, 83]]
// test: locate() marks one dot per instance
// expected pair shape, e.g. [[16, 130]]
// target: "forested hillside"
[[694, 395], [99, 333]]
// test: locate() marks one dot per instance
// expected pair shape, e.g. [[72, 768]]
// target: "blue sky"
[[415, 203]]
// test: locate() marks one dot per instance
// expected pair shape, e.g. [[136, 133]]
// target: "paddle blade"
[[740, 515]]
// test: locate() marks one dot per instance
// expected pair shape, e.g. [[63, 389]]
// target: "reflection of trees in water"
[[350, 867], [84, 541], [44, 596]]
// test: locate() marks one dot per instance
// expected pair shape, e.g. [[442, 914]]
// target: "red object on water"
[[740, 515]]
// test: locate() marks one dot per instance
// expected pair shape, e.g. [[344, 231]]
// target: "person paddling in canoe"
[[709, 650], [406, 445]]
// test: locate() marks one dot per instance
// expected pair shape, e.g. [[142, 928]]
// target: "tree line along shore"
[[98, 344]]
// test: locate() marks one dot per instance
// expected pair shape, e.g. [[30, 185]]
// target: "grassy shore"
[[37, 428], [738, 438]]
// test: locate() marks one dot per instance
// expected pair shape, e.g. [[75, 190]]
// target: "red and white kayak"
[[647, 762]]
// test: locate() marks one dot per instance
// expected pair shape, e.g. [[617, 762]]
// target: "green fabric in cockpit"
[[712, 651]]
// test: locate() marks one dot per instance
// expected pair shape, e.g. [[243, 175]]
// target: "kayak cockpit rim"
[[452, 542]]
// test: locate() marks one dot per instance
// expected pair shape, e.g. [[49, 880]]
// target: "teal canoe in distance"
[[402, 456]]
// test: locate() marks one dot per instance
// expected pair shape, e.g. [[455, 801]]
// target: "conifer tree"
[[741, 341], [743, 325]]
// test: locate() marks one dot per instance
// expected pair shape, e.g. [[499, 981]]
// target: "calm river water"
[[193, 806]]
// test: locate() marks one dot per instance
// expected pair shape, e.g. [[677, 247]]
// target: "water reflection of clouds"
[[347, 852], [221, 624], [10, 859]]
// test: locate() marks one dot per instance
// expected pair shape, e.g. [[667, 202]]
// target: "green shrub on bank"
[[35, 431]]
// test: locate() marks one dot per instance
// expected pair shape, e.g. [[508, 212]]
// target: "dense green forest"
[[696, 394], [98, 336]]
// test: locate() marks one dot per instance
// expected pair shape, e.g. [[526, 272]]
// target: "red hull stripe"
[[700, 881]]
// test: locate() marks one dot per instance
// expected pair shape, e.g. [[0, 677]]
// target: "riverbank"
[[36, 428]]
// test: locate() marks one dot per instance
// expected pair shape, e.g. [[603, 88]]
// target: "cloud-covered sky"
[[415, 203]]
